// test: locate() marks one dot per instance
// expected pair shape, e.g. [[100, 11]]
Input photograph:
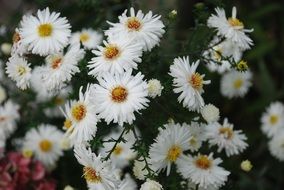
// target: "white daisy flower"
[[231, 28], [46, 33], [98, 173], [154, 88], [3, 94], [188, 82], [81, 117], [232, 141], [210, 113], [9, 116], [145, 29], [44, 142], [18, 69], [236, 84], [272, 121], [117, 56], [151, 184], [60, 68], [276, 146], [226, 49], [127, 183], [139, 170], [203, 170], [169, 147], [119, 96], [88, 37], [197, 135], [122, 154]]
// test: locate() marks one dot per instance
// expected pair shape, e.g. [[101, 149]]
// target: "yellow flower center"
[[133, 24], [238, 83], [234, 22], [67, 123], [273, 119], [16, 37], [79, 111], [84, 37], [45, 30], [111, 52], [196, 81], [27, 153], [192, 141], [242, 65], [118, 150], [58, 101], [119, 94], [203, 162], [56, 62], [91, 175], [21, 70], [45, 145], [173, 153], [227, 132]]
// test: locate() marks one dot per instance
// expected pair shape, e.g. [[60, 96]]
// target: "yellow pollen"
[[242, 65], [227, 132], [21, 70], [111, 52], [45, 145], [273, 119], [133, 24], [238, 83], [45, 30], [27, 153], [192, 141], [236, 23], [91, 175], [119, 94], [173, 153], [117, 151], [79, 111], [84, 37], [196, 81], [56, 62], [67, 123], [16, 37], [203, 162]]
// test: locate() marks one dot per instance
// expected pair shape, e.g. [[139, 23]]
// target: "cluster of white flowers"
[[272, 125], [200, 169], [119, 91], [225, 53]]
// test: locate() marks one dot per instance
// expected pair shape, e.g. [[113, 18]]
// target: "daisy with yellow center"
[[272, 120], [203, 170], [169, 147], [188, 83], [43, 143], [231, 28], [144, 29], [89, 38], [45, 28], [18, 69], [60, 68], [119, 96], [97, 173], [116, 56], [81, 118], [232, 141], [236, 84]]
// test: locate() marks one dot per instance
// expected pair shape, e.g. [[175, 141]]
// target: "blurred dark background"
[[266, 60]]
